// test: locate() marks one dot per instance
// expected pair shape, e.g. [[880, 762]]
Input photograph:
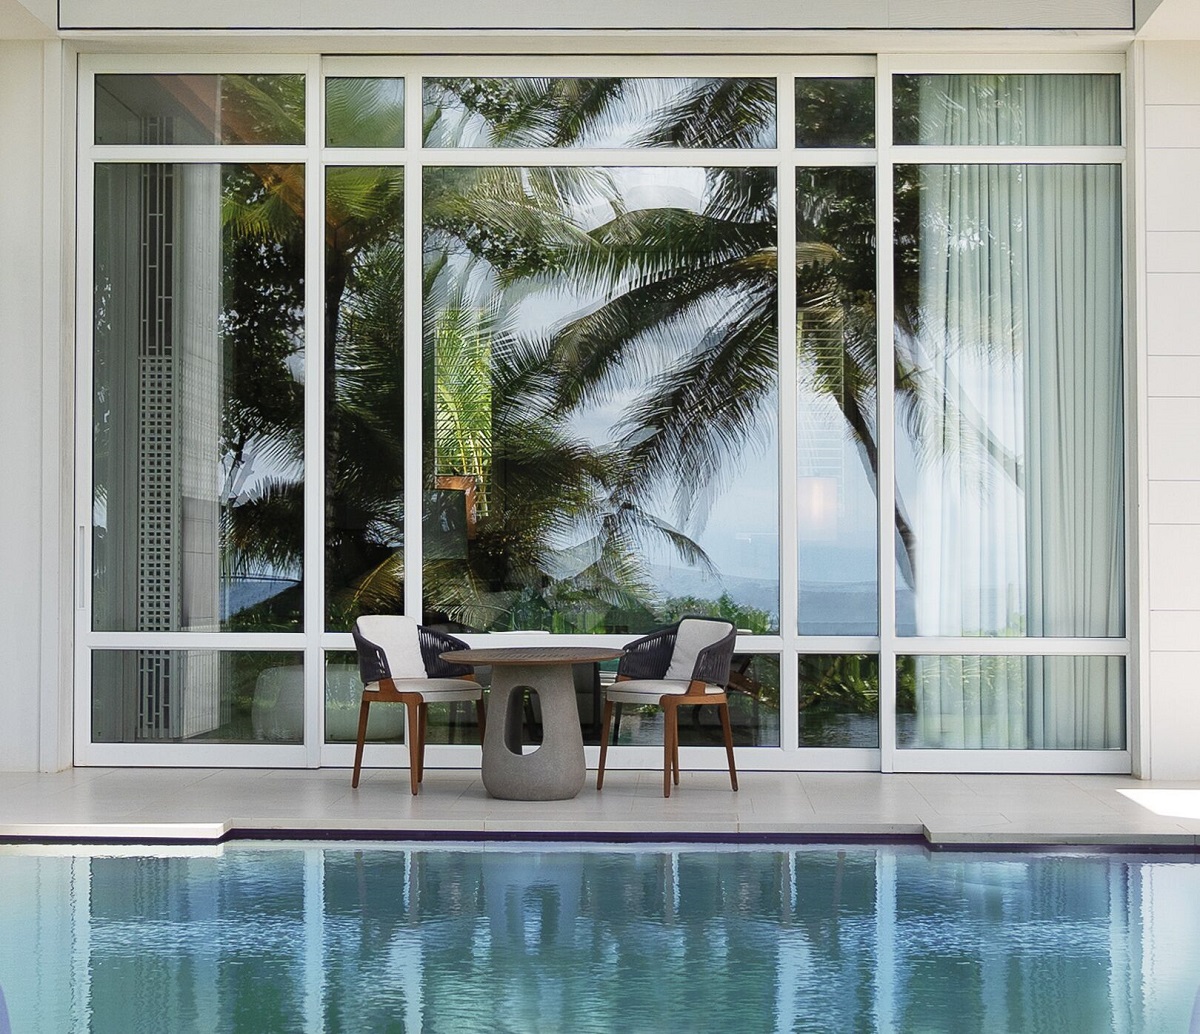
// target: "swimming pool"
[[285, 936]]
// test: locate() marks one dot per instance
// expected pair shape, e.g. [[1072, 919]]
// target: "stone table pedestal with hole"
[[554, 771]]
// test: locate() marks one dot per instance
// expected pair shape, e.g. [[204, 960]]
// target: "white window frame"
[[789, 645]]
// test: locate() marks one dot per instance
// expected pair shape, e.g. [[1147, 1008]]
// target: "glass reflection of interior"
[[835, 112], [199, 109], [599, 112], [364, 393], [1007, 110], [197, 696], [1009, 400], [198, 398], [343, 697], [364, 112], [1010, 703], [601, 385], [837, 428], [839, 700]]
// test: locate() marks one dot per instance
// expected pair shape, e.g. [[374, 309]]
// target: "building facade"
[[477, 314]]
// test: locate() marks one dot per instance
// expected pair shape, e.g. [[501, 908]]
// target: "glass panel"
[[197, 696], [1009, 413], [753, 690], [343, 696], [197, 504], [835, 112], [601, 393], [1010, 703], [1007, 110], [200, 109], [540, 112], [364, 112], [837, 450], [839, 700], [364, 393]]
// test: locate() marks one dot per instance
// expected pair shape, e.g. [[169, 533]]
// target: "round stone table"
[[555, 770]]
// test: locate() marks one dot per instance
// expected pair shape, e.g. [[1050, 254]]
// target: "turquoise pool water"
[[264, 937]]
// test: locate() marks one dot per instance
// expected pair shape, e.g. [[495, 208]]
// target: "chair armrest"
[[433, 645], [713, 662], [650, 656], [372, 661]]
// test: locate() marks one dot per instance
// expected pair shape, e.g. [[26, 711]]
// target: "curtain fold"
[[1016, 358]]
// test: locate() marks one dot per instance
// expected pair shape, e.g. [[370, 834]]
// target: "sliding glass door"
[[831, 347]]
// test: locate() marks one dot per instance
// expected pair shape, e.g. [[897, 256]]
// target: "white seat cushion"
[[435, 690], [693, 636], [396, 635], [648, 691]]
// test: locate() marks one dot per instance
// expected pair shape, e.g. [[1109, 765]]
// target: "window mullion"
[[789, 688], [414, 446], [885, 433], [314, 420]]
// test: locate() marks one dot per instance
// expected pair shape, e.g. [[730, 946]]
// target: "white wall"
[[1170, 168], [34, 657]]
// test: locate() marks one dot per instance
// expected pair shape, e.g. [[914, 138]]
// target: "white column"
[[21, 344], [1169, 485]]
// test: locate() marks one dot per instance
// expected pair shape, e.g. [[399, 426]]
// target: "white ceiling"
[[1170, 19], [32, 19]]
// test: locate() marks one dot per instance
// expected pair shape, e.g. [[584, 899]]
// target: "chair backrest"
[[389, 647], [694, 635]]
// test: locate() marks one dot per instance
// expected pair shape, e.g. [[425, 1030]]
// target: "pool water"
[[264, 937]]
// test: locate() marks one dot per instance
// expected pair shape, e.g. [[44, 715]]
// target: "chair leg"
[[608, 713], [723, 710], [362, 739], [480, 717], [424, 719], [616, 723], [414, 745], [675, 749], [670, 731]]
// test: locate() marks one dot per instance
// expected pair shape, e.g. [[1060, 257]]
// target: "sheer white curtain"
[[1017, 494]]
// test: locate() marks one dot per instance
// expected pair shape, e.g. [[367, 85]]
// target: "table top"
[[532, 655]]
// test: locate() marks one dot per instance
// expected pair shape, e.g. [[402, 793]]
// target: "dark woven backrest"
[[649, 656], [372, 661], [713, 663], [433, 645], [373, 665]]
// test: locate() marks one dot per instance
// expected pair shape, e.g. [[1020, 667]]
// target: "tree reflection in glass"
[[618, 328], [364, 393], [600, 360], [199, 109], [837, 450], [599, 112]]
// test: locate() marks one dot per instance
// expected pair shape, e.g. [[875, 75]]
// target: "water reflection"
[[874, 938]]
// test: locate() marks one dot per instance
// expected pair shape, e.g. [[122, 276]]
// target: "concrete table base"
[[556, 770]]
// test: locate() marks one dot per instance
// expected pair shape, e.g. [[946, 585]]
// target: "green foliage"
[[747, 619], [835, 112], [832, 688]]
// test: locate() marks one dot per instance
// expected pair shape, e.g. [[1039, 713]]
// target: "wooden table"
[[554, 771]]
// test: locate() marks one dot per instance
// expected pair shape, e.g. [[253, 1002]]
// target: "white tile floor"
[[205, 804]]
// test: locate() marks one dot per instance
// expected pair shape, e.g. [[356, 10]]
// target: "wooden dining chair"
[[400, 662], [684, 664]]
